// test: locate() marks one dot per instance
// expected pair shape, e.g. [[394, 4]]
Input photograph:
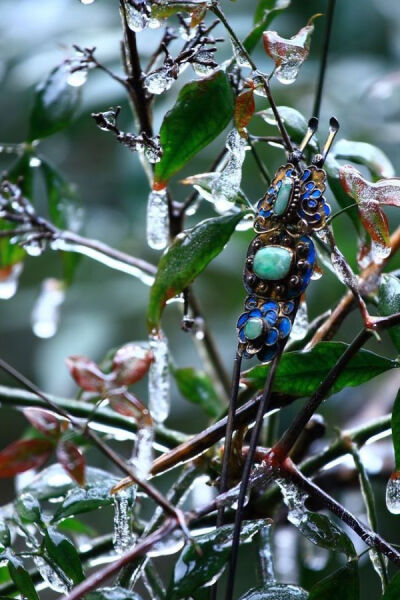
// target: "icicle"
[[159, 81], [137, 20], [123, 537], [157, 220], [142, 455], [225, 187], [294, 500], [393, 493], [159, 398], [46, 311], [265, 554], [50, 577], [301, 323], [9, 277]]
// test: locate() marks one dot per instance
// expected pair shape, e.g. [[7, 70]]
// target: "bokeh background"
[[103, 308]]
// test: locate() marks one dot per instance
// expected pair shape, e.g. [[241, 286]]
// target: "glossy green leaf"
[[393, 589], [20, 576], [276, 591], [396, 430], [300, 373], [163, 11], [54, 104], [265, 13], [28, 508], [365, 154], [389, 303], [323, 532], [191, 113], [332, 167], [199, 563], [112, 593], [62, 551], [295, 123], [186, 258], [72, 525], [197, 387], [344, 584]]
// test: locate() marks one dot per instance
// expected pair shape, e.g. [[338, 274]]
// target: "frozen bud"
[[131, 363], [46, 421], [87, 374]]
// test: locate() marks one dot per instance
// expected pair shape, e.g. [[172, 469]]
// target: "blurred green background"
[[104, 309]]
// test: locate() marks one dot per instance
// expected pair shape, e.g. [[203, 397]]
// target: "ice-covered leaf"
[[125, 403], [191, 112], [365, 154], [332, 168], [28, 508], [389, 304], [244, 110], [198, 388], [113, 593], [343, 584], [295, 123], [72, 460], [276, 591], [20, 576], [46, 421], [186, 258], [54, 104], [130, 363], [204, 562], [164, 10], [87, 374], [62, 551], [370, 196], [264, 14], [289, 54], [393, 589], [300, 373], [23, 455]]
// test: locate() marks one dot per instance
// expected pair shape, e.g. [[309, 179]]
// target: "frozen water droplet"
[[393, 493], [225, 187], [9, 277], [46, 312], [153, 153], [34, 247], [157, 220], [35, 161], [87, 1], [240, 57], [205, 65], [137, 20], [122, 537], [294, 500], [159, 393], [50, 576], [287, 72], [142, 458], [159, 81], [77, 78], [301, 323]]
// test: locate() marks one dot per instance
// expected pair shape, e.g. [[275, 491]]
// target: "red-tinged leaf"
[[198, 15], [23, 455], [130, 363], [72, 460], [46, 421], [126, 404], [87, 374], [244, 110], [289, 54]]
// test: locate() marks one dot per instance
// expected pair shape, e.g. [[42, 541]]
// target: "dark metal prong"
[[333, 129], [312, 128]]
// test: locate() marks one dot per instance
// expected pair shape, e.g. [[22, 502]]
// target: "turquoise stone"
[[283, 197], [253, 328], [272, 263]]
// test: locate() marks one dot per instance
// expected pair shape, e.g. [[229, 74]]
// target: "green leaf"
[[112, 593], [396, 430], [362, 153], [20, 576], [295, 123], [62, 551], [320, 530], [73, 525], [265, 13], [300, 373], [332, 167], [201, 562], [186, 258], [160, 11], [28, 508], [393, 589], [197, 387], [54, 104], [343, 584], [191, 113], [389, 303], [276, 591]]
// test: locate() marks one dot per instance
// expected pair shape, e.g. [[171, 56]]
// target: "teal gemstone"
[[283, 197], [272, 263], [253, 328]]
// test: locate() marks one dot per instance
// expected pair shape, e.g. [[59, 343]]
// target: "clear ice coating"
[[393, 493], [240, 57], [137, 20], [157, 220], [159, 81], [204, 63], [142, 456], [225, 187], [159, 384], [50, 576], [301, 322], [46, 311], [9, 278], [265, 554], [123, 536]]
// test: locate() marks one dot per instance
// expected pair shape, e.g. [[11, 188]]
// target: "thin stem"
[[324, 59], [262, 168], [218, 13]]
